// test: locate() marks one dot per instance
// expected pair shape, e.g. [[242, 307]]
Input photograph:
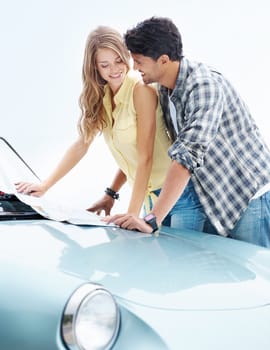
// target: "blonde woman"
[[115, 102]]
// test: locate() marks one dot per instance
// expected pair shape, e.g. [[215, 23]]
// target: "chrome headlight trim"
[[74, 312]]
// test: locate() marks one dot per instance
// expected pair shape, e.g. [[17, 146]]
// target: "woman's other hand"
[[104, 204], [32, 189]]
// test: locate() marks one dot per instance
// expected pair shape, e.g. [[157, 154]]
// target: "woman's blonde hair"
[[92, 119]]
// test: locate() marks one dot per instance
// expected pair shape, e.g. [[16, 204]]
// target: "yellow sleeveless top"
[[121, 134]]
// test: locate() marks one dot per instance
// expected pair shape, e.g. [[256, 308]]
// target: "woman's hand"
[[129, 222], [32, 189], [105, 203]]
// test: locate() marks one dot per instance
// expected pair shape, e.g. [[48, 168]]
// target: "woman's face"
[[111, 68]]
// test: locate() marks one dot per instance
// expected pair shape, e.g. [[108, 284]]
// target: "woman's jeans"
[[253, 226]]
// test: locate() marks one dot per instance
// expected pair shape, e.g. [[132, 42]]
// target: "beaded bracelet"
[[112, 193]]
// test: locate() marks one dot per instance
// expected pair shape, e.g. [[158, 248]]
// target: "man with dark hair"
[[217, 151]]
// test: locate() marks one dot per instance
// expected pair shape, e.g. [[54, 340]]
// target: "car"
[[68, 286]]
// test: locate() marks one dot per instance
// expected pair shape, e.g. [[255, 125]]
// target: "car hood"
[[187, 270]]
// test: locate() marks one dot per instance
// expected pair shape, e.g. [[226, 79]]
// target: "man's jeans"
[[253, 226], [187, 213]]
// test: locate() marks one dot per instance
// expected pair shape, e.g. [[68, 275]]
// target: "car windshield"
[[13, 168]]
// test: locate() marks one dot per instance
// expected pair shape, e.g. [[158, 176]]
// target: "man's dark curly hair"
[[154, 37]]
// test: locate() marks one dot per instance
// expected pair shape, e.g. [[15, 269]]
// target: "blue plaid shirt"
[[218, 142]]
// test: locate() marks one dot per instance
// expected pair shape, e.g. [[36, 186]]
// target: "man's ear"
[[163, 59]]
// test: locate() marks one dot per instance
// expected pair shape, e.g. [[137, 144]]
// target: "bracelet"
[[112, 193]]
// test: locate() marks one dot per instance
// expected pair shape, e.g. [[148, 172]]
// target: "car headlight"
[[91, 319]]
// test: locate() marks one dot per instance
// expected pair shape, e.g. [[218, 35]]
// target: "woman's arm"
[[145, 102], [106, 202], [72, 156], [118, 181], [175, 183]]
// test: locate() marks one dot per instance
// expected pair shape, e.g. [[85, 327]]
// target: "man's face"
[[150, 69]]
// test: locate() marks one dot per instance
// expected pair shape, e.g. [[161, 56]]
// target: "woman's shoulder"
[[142, 88], [134, 75], [132, 79]]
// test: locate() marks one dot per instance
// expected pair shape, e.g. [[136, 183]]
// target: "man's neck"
[[170, 75]]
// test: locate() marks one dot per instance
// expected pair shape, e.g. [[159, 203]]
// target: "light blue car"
[[80, 287]]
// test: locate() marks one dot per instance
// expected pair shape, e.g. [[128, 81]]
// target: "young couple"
[[189, 149]]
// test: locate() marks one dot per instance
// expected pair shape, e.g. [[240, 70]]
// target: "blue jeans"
[[187, 213], [254, 224]]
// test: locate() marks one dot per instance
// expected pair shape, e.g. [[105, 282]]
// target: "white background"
[[42, 44]]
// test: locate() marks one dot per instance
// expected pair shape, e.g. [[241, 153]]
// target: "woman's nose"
[[114, 69]]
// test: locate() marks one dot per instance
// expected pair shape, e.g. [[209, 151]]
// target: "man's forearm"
[[174, 185]]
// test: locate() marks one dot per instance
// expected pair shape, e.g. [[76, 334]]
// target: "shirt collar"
[[181, 78], [180, 81]]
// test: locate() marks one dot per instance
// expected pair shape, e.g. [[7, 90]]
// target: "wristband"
[[112, 193], [151, 220]]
